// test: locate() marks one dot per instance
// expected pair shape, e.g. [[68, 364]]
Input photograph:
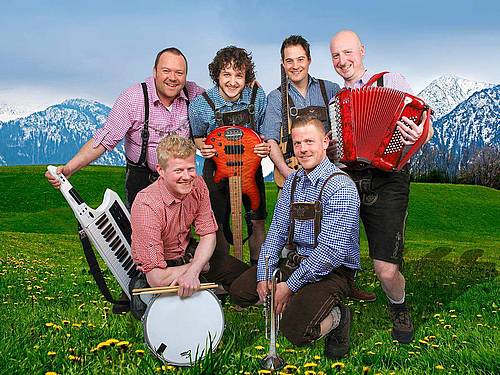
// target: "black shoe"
[[337, 341], [120, 309], [402, 328]]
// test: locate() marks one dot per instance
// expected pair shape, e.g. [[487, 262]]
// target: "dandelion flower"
[[259, 347], [51, 373], [139, 351], [338, 365], [439, 367], [317, 357], [310, 364], [447, 326], [51, 354], [310, 372], [112, 341], [264, 372], [366, 369], [50, 324], [65, 322], [290, 368], [74, 358]]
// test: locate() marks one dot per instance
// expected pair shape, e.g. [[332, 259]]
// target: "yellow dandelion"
[[102, 345], [123, 344], [378, 343], [310, 372], [259, 347], [76, 325], [453, 316], [432, 337], [370, 352], [411, 353], [290, 368], [338, 365], [447, 326], [437, 315], [452, 311], [439, 367], [51, 373], [112, 341], [65, 322], [366, 369], [320, 373], [310, 364], [49, 324], [479, 324], [74, 358], [139, 352], [423, 342], [435, 346], [289, 350], [265, 372], [317, 357], [479, 316], [51, 354]]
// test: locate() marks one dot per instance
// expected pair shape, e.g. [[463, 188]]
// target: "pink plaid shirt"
[[161, 223], [126, 120]]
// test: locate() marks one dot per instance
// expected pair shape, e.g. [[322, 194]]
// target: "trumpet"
[[272, 361]]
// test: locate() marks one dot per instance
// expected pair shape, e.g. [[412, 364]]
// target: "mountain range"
[[466, 117]]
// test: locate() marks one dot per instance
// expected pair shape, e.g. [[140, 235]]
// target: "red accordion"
[[364, 122]]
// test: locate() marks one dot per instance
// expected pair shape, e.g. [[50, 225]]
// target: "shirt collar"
[[153, 95], [315, 175], [363, 80], [220, 102], [167, 197]]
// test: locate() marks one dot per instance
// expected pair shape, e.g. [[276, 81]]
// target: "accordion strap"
[[375, 78], [95, 269]]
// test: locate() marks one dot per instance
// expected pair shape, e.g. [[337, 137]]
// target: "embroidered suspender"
[[306, 211]]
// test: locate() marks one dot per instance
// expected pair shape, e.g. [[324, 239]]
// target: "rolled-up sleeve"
[[117, 124], [147, 244], [204, 222]]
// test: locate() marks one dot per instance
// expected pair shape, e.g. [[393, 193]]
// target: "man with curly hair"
[[234, 100]]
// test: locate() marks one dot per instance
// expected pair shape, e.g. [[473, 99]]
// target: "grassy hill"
[[54, 316]]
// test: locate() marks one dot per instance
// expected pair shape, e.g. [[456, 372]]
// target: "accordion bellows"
[[364, 123]]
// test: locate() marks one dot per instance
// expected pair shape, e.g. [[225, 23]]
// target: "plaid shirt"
[[161, 223], [202, 116], [338, 241], [272, 121], [126, 120]]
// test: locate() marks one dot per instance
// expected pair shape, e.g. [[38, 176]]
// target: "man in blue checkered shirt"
[[317, 219], [234, 100]]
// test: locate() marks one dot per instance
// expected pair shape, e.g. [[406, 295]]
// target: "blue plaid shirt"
[[272, 121], [338, 241], [202, 116]]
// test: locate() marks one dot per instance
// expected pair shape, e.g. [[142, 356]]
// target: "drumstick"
[[166, 287], [170, 289]]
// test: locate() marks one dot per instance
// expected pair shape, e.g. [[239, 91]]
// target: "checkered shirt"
[[126, 120], [338, 241], [272, 120], [391, 80], [202, 116], [161, 223]]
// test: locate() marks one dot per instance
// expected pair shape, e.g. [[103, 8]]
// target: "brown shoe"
[[402, 327], [361, 295]]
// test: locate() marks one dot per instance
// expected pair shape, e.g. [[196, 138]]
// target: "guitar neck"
[[235, 196], [84, 214]]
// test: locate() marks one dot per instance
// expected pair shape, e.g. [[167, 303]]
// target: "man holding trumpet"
[[162, 216], [317, 220]]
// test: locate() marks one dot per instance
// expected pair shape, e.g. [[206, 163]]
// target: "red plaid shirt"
[[161, 223], [126, 120]]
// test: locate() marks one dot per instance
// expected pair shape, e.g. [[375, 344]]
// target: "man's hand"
[[410, 132], [263, 289], [55, 181], [188, 284], [282, 296], [332, 150], [158, 277], [207, 151], [262, 149]]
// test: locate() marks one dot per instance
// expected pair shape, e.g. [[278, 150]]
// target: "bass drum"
[[180, 331]]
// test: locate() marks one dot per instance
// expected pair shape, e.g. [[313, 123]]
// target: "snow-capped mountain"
[[10, 112], [446, 92], [472, 125], [55, 134]]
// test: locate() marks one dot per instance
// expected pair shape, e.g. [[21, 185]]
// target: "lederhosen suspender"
[[145, 129], [320, 112], [244, 116], [306, 211]]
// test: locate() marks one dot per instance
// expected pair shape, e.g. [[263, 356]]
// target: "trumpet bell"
[[272, 363]]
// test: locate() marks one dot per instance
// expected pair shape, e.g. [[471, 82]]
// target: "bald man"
[[384, 195]]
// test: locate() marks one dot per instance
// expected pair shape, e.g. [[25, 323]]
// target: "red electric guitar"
[[235, 160]]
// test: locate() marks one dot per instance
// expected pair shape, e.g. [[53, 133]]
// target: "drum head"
[[180, 331]]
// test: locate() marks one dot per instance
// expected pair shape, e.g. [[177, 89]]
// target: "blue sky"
[[52, 50]]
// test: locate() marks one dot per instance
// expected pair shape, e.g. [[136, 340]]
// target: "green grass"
[[50, 302]]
